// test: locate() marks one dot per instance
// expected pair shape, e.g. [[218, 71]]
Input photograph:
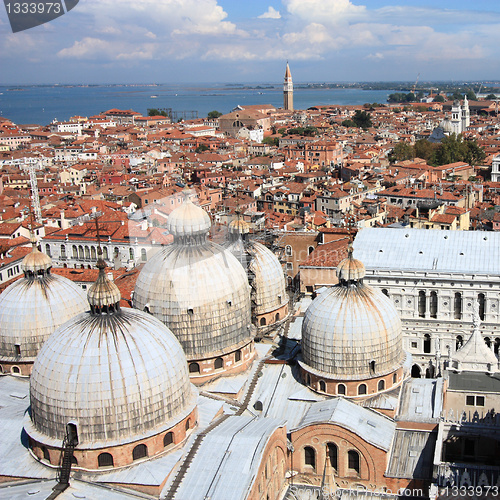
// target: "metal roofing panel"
[[475, 252]]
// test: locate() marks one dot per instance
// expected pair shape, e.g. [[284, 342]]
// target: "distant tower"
[[456, 117], [465, 115], [288, 90]]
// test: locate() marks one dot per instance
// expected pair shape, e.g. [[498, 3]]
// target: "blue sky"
[[173, 41]]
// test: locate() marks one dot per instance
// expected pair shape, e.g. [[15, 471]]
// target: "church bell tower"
[[288, 90]]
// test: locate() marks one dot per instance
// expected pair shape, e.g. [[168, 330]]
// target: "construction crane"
[[415, 84], [31, 168]]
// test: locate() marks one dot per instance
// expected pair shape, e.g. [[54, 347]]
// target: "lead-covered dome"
[[198, 289], [188, 220], [117, 375], [35, 306], [352, 331]]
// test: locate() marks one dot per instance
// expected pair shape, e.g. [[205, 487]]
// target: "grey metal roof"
[[367, 424], [228, 459], [476, 252], [474, 381], [412, 454], [421, 400]]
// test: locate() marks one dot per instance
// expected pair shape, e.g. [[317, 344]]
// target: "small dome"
[[103, 293], [188, 220], [350, 329], [36, 262], [239, 226], [350, 269], [116, 377]]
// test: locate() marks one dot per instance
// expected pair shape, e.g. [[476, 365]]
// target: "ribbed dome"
[[34, 307], [117, 377], [350, 269], [103, 293], [268, 283], [201, 292], [188, 220], [239, 226], [36, 262], [348, 327]]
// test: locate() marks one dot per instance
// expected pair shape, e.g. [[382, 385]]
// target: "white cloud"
[[324, 11], [271, 13]]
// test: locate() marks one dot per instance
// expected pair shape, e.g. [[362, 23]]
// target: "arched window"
[[308, 379], [237, 356], [74, 461], [116, 252], [385, 292], [15, 369], [75, 252], [131, 253], [262, 321], [288, 251], [168, 439], [92, 253], [105, 253], [188, 424], [322, 386], [310, 457], [277, 317], [140, 451], [218, 363], [144, 256], [333, 453], [341, 389], [87, 253], [421, 303], [416, 372], [81, 256], [496, 347], [482, 305], [46, 454], [372, 366], [459, 342], [353, 460], [361, 389], [310, 250], [63, 251], [105, 460], [194, 368], [487, 341], [458, 305], [427, 343], [47, 249], [394, 378], [381, 385], [434, 304]]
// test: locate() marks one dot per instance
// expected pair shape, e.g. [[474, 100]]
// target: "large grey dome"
[[201, 292], [34, 307], [350, 330], [116, 376], [268, 283]]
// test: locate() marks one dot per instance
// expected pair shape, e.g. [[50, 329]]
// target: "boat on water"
[[153, 96]]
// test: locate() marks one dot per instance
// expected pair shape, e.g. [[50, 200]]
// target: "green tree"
[[201, 148], [157, 112], [439, 98], [214, 114], [272, 141], [491, 97], [457, 96], [362, 119], [425, 150], [348, 124], [471, 95], [402, 151]]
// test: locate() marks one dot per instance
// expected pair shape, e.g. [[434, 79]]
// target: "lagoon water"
[[41, 104]]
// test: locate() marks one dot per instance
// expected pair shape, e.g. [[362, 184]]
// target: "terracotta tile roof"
[[328, 254]]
